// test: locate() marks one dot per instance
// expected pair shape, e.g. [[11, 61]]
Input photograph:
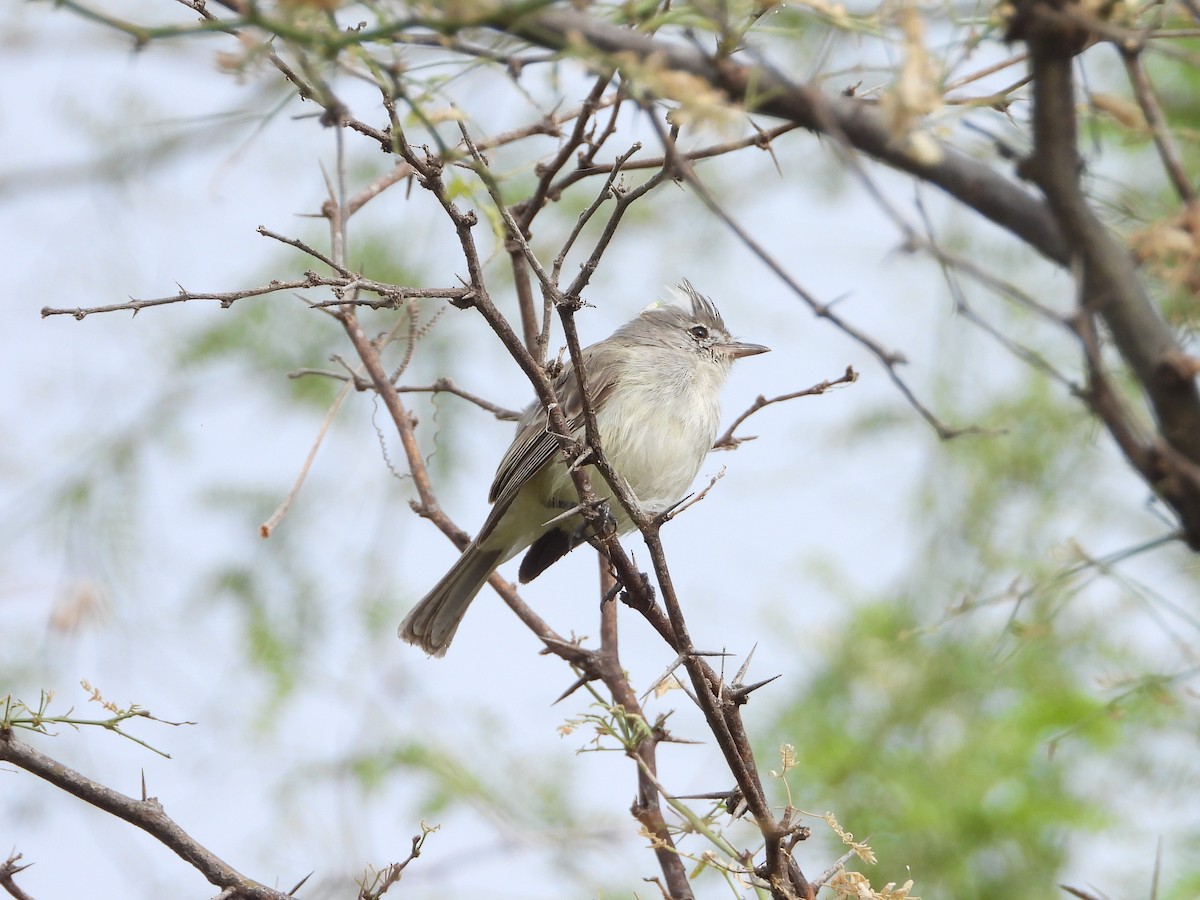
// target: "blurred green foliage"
[[969, 720], [937, 748]]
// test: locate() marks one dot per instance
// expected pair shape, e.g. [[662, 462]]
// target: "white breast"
[[659, 424]]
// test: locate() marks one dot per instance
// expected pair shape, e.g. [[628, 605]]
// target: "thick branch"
[[1061, 228], [146, 814], [1109, 283], [763, 89]]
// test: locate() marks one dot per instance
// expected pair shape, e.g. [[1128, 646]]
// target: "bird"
[[655, 387]]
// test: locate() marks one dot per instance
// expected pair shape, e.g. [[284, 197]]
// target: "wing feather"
[[534, 446]]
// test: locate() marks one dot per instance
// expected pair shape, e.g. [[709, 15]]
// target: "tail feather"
[[432, 622], [547, 550]]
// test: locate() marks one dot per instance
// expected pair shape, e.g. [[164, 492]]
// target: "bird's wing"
[[534, 445]]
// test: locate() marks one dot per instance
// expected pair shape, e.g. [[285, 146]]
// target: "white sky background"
[[254, 788]]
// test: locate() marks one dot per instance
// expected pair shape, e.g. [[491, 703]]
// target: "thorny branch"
[[721, 705], [721, 711], [1060, 227], [647, 808], [1058, 224], [7, 871], [391, 295], [146, 813], [767, 91], [728, 442], [442, 385]]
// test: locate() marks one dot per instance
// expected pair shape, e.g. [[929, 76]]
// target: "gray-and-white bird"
[[655, 385]]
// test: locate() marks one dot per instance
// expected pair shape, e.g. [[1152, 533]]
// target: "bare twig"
[[951, 265], [7, 871], [760, 138], [383, 880], [392, 295], [691, 500], [442, 385], [525, 211], [1155, 121], [604, 194], [276, 517], [397, 173], [445, 385], [304, 248], [728, 442], [964, 265]]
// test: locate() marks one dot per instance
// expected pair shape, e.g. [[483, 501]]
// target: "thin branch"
[[276, 517], [625, 199], [725, 720], [890, 360], [304, 248], [397, 173], [966, 266], [763, 89], [7, 871], [690, 500], [646, 808], [1143, 90], [950, 264], [529, 316], [992, 69], [525, 211], [760, 138], [728, 442], [604, 194], [445, 385], [391, 874], [515, 233], [226, 299], [442, 385], [841, 861]]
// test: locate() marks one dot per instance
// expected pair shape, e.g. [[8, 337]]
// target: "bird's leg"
[[647, 592]]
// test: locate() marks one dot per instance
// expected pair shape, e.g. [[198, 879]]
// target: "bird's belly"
[[658, 459], [656, 440]]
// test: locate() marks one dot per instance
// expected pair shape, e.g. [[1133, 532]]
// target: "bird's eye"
[[699, 332]]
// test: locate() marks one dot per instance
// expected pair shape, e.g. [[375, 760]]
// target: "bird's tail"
[[433, 621]]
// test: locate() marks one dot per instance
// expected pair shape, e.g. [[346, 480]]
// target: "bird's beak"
[[738, 349]]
